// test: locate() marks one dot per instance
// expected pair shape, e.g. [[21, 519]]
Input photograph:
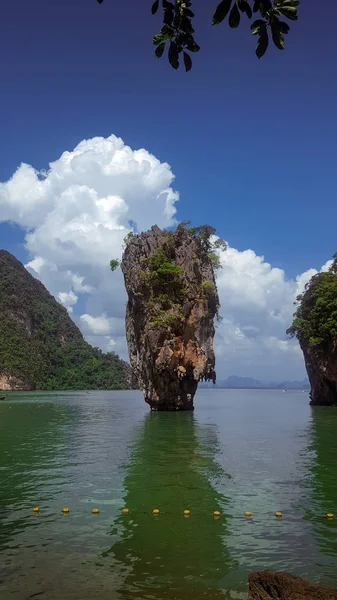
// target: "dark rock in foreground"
[[172, 302], [268, 585]]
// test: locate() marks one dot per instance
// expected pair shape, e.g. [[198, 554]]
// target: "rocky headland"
[[315, 326]]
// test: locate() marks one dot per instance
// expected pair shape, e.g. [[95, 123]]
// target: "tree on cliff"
[[315, 321], [178, 32]]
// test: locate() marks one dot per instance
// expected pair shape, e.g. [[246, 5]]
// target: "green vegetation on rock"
[[162, 277], [40, 344], [315, 321], [114, 264]]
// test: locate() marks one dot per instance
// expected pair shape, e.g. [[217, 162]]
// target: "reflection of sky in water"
[[260, 451]]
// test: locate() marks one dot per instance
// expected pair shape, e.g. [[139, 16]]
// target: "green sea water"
[[241, 450]]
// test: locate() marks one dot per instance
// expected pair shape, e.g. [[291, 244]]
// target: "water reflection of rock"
[[322, 487], [171, 556], [31, 437]]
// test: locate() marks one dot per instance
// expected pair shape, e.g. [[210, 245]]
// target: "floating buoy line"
[[186, 513]]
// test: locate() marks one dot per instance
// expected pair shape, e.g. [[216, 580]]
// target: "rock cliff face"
[[172, 302], [322, 373], [7, 382], [315, 326]]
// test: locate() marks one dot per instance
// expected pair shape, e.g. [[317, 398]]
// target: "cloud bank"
[[76, 215]]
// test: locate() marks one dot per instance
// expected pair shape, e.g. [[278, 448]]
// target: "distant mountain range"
[[248, 382]]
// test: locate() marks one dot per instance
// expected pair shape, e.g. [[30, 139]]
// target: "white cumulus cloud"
[[76, 215]]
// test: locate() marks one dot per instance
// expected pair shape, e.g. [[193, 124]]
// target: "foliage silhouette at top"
[[315, 321], [178, 31]]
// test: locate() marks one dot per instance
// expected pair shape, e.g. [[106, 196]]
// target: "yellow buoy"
[[248, 514], [36, 509], [330, 515], [95, 511], [216, 513], [65, 510], [187, 512], [155, 511], [125, 511], [278, 514]]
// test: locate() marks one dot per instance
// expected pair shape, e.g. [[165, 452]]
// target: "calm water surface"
[[260, 451]]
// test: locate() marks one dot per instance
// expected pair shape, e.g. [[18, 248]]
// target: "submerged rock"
[[172, 302], [267, 585]]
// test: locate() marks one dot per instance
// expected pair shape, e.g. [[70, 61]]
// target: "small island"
[[172, 303]]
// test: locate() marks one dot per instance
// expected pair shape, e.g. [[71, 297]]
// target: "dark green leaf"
[[193, 46], [256, 5], [258, 26], [284, 27], [100, 1], [158, 39], [234, 17], [262, 44], [186, 25], [173, 55], [277, 36], [159, 50], [221, 11], [188, 13], [166, 30], [168, 13], [279, 3], [155, 7], [187, 62], [245, 8], [265, 6], [289, 11]]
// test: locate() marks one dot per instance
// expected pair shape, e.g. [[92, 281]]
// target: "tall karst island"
[[315, 326], [172, 303]]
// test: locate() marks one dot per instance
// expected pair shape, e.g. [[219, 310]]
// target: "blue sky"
[[251, 143]]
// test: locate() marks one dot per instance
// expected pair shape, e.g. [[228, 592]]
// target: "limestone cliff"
[[322, 373], [315, 326], [172, 302]]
